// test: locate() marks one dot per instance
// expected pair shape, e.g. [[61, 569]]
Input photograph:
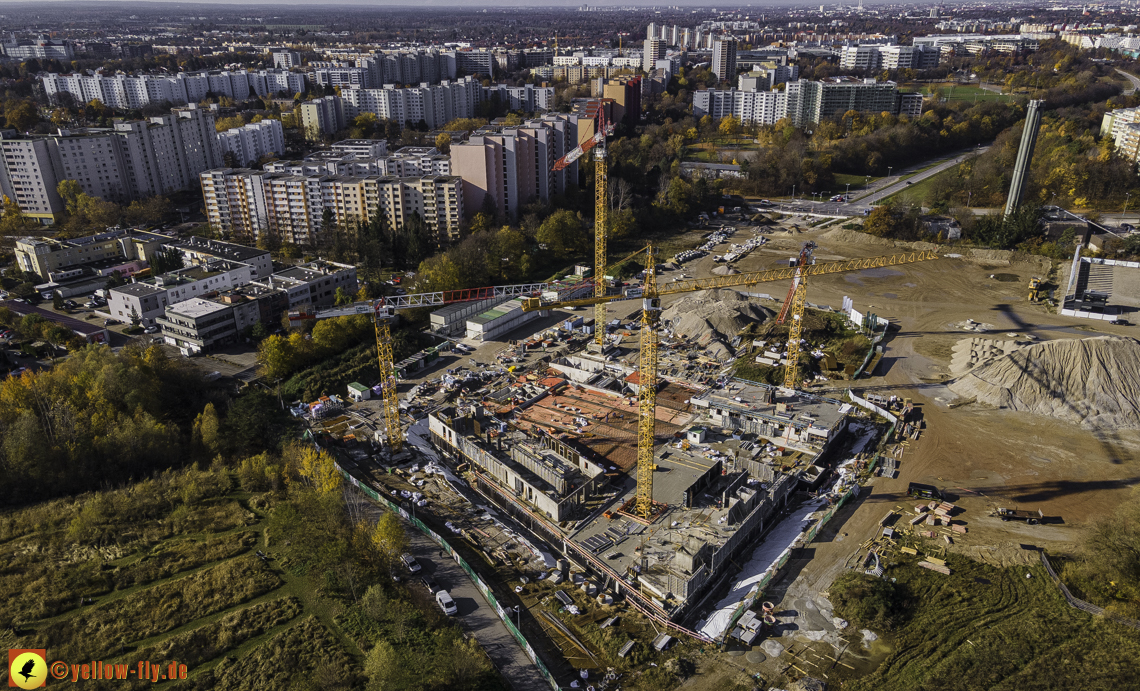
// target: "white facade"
[[759, 107], [435, 105], [126, 91], [133, 160], [251, 142]]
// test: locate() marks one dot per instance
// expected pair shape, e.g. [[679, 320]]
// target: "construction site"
[[700, 457]]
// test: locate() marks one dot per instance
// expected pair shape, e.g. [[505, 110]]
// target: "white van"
[[443, 599]]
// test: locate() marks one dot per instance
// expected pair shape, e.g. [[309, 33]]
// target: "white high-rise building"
[[126, 91], [755, 107], [654, 50], [434, 105], [135, 159], [251, 142]]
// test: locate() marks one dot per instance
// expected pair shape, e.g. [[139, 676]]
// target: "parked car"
[[443, 599], [150, 330], [1120, 321], [410, 562], [430, 584]]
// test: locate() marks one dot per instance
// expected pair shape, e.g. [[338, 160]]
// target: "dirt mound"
[[725, 271], [714, 317], [1093, 381]]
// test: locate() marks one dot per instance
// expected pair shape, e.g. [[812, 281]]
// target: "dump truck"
[[1030, 517]]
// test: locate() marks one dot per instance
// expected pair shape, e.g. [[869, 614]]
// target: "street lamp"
[[847, 194], [969, 195], [889, 169], [1127, 198]]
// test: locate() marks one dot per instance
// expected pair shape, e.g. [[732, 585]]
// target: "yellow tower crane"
[[382, 317], [650, 315], [602, 129]]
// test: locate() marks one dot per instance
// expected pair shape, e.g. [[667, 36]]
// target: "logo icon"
[[27, 669]]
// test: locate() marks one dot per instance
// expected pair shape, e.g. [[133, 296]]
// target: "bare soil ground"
[[984, 457]]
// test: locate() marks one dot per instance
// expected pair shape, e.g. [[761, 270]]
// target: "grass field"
[[857, 182], [985, 628], [964, 92], [166, 570], [920, 191]]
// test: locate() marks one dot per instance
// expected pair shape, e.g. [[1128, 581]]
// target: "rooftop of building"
[[221, 249], [799, 409], [196, 307], [312, 270]]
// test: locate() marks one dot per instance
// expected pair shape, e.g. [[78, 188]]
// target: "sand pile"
[[725, 271], [968, 353], [713, 317], [1093, 381]]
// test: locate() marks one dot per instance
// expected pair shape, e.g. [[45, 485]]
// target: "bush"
[[868, 602]]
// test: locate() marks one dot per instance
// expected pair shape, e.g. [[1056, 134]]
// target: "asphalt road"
[[475, 614], [1133, 79], [876, 191]]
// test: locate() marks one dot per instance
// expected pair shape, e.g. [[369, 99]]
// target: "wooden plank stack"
[[939, 568]]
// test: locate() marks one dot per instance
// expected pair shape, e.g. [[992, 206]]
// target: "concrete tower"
[[1024, 156]]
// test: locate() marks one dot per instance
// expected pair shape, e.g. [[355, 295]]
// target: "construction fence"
[[438, 539]]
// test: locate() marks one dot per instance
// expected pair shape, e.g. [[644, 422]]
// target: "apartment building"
[[809, 101], [1115, 121], [323, 116], [255, 204], [528, 98], [481, 62], [345, 77], [40, 48], [315, 283], [125, 91], [433, 105], [767, 78], [888, 57], [409, 161], [652, 51], [724, 59], [284, 59], [514, 165], [197, 325], [361, 147], [250, 142], [758, 107], [408, 67], [131, 160]]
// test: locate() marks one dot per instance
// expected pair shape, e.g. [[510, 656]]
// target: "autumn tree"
[[389, 538]]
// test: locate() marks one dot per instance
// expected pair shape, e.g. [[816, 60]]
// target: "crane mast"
[[381, 318], [647, 389], [602, 129], [794, 303]]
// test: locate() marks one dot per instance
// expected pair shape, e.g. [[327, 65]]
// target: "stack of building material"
[[958, 528], [940, 568]]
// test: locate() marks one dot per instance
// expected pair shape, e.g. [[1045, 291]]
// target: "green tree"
[[561, 232], [342, 297], [56, 300], [276, 357], [443, 142], [21, 115], [206, 430]]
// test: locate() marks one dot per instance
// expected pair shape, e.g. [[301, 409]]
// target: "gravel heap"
[[714, 317], [1094, 382]]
